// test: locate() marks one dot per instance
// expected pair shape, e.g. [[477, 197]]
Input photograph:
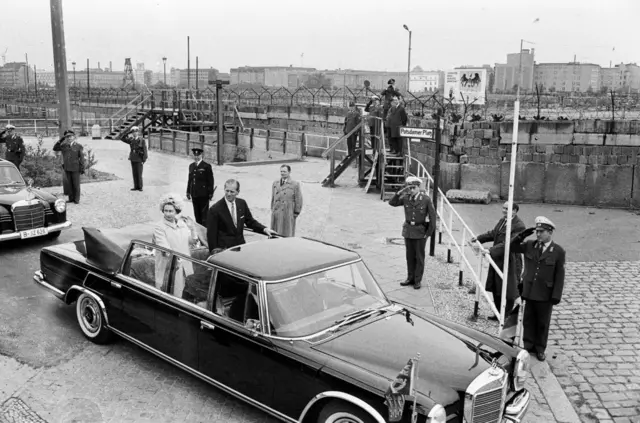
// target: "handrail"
[[423, 173], [125, 106], [335, 143]]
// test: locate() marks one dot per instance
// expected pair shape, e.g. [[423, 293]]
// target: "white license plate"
[[33, 233]]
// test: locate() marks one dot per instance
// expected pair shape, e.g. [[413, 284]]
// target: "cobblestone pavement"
[[595, 340]]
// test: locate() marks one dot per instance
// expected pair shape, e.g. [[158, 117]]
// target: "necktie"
[[281, 182], [233, 214]]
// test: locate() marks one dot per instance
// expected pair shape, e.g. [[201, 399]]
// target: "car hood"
[[449, 355], [9, 194]]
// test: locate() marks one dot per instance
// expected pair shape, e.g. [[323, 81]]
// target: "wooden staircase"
[[393, 175], [136, 119], [342, 166]]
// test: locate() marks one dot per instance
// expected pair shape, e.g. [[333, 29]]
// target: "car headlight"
[[437, 414], [60, 205], [521, 370]]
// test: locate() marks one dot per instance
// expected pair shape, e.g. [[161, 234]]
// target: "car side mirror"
[[254, 326]]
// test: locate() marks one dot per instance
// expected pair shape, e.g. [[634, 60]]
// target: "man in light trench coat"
[[286, 203]]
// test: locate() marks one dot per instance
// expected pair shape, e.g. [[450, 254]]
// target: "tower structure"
[[128, 73]]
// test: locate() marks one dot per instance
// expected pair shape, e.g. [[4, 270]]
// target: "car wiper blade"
[[356, 315]]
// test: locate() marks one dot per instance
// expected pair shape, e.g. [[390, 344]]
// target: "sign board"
[[470, 83], [423, 133]]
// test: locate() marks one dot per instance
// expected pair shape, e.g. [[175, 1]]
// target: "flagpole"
[[414, 379]]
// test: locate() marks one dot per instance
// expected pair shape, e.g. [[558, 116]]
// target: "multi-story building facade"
[[270, 76], [429, 81], [621, 77], [507, 75], [16, 75], [568, 77], [183, 78]]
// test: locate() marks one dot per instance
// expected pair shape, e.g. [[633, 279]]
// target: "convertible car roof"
[[282, 258]]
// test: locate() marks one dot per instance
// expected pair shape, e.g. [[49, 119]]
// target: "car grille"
[[487, 406], [28, 217]]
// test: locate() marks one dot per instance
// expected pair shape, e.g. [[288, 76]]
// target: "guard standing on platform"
[[419, 224], [137, 156], [374, 108], [387, 96], [15, 145], [72, 163], [543, 282], [351, 120], [200, 186]]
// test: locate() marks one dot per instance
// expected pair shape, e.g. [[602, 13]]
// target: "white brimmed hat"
[[9, 126], [544, 223], [135, 128], [412, 180]]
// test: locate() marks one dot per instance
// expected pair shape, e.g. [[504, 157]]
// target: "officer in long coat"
[[387, 96], [200, 186], [15, 145], [351, 120], [374, 108], [137, 156], [286, 203], [396, 118], [543, 282], [419, 224], [72, 163], [497, 235]]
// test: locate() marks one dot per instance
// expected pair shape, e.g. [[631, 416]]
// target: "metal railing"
[[447, 217]]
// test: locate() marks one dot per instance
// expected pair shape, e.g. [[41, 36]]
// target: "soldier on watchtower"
[[419, 224], [15, 145], [137, 156]]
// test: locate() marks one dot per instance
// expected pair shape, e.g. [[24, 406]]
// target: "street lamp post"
[[409, 59], [74, 74], [164, 62]]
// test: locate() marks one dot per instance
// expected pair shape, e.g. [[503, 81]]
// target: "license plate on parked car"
[[33, 233]]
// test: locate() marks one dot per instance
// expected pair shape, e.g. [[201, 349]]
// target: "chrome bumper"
[[52, 228], [516, 408], [39, 278]]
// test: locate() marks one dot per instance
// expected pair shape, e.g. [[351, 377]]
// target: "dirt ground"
[[586, 233]]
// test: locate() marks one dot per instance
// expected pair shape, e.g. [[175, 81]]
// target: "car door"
[[180, 307], [230, 353]]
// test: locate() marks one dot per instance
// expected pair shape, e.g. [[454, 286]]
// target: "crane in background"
[[4, 56]]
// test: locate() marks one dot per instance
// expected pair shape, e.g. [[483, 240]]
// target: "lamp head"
[[405, 27]]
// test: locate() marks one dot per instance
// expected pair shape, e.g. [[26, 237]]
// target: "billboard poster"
[[470, 83]]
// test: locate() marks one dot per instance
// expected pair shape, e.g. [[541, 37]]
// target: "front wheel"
[[337, 411], [91, 320]]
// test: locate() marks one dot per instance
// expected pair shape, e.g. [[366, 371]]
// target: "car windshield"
[[9, 175], [331, 298]]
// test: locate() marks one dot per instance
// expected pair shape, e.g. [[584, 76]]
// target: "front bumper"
[[52, 228], [516, 408]]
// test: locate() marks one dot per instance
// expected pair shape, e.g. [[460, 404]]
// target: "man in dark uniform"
[[200, 186], [498, 235], [351, 120], [374, 108], [543, 282], [420, 223], [15, 145], [65, 182], [387, 96], [137, 156], [396, 118], [72, 163], [227, 218]]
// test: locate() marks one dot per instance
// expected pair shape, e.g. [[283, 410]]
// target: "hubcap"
[[343, 417], [91, 318]]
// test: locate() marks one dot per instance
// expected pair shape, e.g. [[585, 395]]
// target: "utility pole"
[[26, 70], [409, 59], [220, 119], [35, 79], [60, 65], [436, 176], [188, 64], [88, 84], [196, 73]]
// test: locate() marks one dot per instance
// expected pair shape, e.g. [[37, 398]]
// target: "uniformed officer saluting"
[[200, 186], [137, 156], [543, 282], [72, 163], [15, 145], [420, 219]]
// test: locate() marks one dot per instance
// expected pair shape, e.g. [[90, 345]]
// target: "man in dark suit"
[[543, 282], [15, 145], [498, 235], [72, 163], [200, 186], [137, 156], [419, 224], [396, 118], [387, 96], [351, 120], [227, 218]]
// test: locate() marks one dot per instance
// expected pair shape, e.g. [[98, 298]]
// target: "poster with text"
[[468, 83]]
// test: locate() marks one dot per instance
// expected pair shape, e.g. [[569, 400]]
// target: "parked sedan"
[[296, 327], [26, 212]]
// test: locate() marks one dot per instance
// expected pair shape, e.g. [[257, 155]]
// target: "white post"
[[450, 236], [35, 127], [462, 246], [440, 217]]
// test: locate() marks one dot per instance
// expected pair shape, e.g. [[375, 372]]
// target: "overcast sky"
[[353, 34]]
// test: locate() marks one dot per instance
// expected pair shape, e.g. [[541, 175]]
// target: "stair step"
[[395, 167], [389, 175]]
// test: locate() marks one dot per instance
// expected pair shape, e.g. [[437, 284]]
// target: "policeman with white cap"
[[419, 224], [15, 145], [137, 156], [543, 282]]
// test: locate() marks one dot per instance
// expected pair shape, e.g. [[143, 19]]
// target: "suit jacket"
[[543, 272], [351, 120], [497, 235], [72, 155], [200, 182], [419, 215], [221, 232], [395, 119], [15, 146], [138, 148]]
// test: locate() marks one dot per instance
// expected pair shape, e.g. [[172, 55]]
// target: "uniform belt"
[[416, 223]]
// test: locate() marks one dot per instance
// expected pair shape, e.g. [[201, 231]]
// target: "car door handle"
[[116, 285], [205, 325]]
